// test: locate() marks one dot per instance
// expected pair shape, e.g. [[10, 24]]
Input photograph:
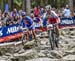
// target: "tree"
[[71, 4], [1, 4], [28, 6], [58, 3], [18, 2], [23, 5]]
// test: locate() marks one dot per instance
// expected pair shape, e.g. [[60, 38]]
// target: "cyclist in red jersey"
[[53, 18], [53, 21]]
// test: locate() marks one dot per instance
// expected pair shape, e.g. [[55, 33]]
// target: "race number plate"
[[50, 26]]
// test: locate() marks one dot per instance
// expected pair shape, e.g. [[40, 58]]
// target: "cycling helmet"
[[36, 20], [48, 7], [23, 13]]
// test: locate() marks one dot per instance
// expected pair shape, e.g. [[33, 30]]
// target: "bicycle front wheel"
[[51, 39], [55, 38]]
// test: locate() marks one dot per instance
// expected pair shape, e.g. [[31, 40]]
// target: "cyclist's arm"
[[22, 26], [45, 15], [56, 17]]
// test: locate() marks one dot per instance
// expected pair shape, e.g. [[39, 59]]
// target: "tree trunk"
[[74, 4], [58, 3], [9, 2], [23, 5], [28, 6], [1, 4], [46, 2], [71, 5]]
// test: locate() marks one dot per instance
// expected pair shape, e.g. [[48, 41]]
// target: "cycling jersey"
[[53, 18], [37, 22], [27, 22]]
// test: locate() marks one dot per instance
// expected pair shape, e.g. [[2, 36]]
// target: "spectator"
[[37, 11], [59, 13], [15, 14], [17, 21], [67, 12], [9, 22], [5, 17], [41, 11]]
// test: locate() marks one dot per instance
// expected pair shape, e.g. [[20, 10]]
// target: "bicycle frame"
[[52, 35]]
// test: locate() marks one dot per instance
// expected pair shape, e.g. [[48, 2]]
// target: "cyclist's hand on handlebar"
[[24, 29]]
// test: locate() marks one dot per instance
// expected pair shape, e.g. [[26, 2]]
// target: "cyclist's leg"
[[57, 31], [56, 35], [30, 34], [33, 34], [26, 38], [27, 34], [57, 26]]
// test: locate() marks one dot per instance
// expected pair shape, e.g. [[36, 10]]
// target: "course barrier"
[[12, 32]]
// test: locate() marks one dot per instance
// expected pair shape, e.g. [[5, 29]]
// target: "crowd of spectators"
[[13, 17]]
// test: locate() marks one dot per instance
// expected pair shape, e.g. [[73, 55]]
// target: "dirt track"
[[42, 52]]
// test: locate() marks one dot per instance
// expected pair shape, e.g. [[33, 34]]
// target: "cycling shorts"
[[32, 27]]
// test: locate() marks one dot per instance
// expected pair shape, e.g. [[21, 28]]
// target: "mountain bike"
[[53, 35], [25, 31]]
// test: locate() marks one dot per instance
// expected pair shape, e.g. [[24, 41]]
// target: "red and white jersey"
[[53, 17]]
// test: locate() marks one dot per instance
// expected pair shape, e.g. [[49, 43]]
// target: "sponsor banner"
[[12, 32], [67, 23], [9, 30], [11, 37]]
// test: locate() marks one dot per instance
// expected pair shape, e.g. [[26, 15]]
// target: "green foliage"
[[42, 3], [18, 2], [34, 3]]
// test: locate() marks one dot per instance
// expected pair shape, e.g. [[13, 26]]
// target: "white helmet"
[[48, 7]]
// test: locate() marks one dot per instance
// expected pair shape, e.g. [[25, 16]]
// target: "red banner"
[[8, 38]]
